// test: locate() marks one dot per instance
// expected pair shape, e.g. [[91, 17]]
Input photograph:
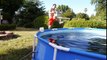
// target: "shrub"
[[57, 25], [41, 21], [28, 25], [84, 23], [21, 23], [7, 26], [82, 16]]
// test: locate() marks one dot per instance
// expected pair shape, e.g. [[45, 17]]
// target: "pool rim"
[[91, 54]]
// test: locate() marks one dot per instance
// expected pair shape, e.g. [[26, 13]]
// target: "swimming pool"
[[73, 44]]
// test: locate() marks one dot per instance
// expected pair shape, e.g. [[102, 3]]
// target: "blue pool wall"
[[44, 51]]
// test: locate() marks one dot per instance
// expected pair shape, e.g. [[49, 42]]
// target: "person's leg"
[[50, 23]]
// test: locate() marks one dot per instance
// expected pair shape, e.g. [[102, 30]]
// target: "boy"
[[52, 16]]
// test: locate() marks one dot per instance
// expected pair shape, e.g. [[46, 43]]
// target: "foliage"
[[29, 13], [100, 8], [85, 10], [7, 26], [92, 16], [20, 23], [63, 8], [57, 25], [85, 23], [41, 21], [9, 7], [69, 14], [82, 16], [99, 4], [28, 25], [66, 11]]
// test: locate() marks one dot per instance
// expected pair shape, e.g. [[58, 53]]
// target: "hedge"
[[7, 26], [85, 23], [40, 21]]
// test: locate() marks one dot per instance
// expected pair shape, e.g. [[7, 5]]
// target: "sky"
[[77, 5]]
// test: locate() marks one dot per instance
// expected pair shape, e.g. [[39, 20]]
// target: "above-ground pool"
[[71, 44]]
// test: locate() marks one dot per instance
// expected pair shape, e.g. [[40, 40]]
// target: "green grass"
[[15, 49]]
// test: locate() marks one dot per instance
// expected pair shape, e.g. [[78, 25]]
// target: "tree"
[[66, 11], [9, 7], [85, 10], [92, 16], [82, 16], [31, 11], [100, 6], [69, 13], [63, 8]]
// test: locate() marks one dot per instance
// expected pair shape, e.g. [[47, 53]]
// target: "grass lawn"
[[15, 49]]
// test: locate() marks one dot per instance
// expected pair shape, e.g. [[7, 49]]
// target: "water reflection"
[[97, 45]]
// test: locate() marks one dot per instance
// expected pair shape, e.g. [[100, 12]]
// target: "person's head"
[[54, 6]]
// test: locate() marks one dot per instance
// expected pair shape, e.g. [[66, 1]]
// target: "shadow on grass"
[[8, 38], [17, 54]]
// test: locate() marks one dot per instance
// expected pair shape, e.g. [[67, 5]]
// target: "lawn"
[[17, 48]]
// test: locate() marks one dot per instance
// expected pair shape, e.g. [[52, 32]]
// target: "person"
[[52, 16], [52, 40]]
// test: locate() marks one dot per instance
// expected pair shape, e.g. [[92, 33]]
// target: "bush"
[[84, 23], [57, 25], [7, 26], [28, 25], [82, 16], [41, 21]]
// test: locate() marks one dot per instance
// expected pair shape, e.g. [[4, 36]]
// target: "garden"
[[20, 20]]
